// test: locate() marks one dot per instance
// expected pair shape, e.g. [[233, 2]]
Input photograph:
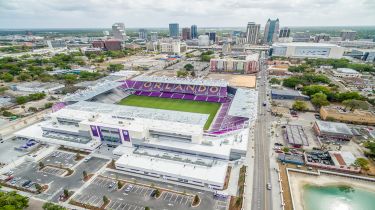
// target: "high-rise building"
[[142, 34], [174, 30], [271, 31], [252, 33], [284, 32], [348, 35], [194, 31], [322, 37], [154, 36], [118, 30], [211, 36], [186, 34]]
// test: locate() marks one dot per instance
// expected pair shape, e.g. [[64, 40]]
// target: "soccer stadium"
[[181, 130]]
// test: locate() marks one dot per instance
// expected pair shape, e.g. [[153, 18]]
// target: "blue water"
[[337, 198]]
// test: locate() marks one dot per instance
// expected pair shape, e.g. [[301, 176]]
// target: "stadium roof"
[[92, 91], [99, 81], [127, 112], [244, 104], [183, 81], [334, 128]]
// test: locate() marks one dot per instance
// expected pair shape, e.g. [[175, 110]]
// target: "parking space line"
[[124, 206], [176, 198]]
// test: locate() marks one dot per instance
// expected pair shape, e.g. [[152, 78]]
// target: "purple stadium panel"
[[189, 97], [166, 95]]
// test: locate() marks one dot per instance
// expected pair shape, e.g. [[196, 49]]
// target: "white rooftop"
[[334, 127], [92, 91], [213, 174], [129, 112], [305, 44], [347, 71], [183, 81], [244, 104]]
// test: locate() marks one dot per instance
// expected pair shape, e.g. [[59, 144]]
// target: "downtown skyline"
[[231, 13]]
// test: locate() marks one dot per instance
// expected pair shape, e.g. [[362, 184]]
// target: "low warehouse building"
[[288, 95], [333, 130]]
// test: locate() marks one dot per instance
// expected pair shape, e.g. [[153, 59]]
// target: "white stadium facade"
[[170, 145]]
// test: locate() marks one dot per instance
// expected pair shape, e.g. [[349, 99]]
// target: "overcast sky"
[[204, 13]]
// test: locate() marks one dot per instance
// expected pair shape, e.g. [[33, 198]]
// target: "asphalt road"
[[261, 199]]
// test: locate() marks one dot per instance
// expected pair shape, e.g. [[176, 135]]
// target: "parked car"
[[268, 186], [129, 188], [26, 183], [9, 178], [87, 159]]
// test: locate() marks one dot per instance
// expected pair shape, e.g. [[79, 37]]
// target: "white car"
[[268, 186]]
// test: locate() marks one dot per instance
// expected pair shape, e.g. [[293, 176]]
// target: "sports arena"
[[181, 130]]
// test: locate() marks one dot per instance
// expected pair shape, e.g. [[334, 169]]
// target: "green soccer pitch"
[[202, 107]]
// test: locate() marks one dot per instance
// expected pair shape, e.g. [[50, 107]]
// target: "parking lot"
[[53, 171], [138, 190], [57, 184], [60, 158], [121, 205], [135, 194], [183, 200], [22, 182], [90, 199]]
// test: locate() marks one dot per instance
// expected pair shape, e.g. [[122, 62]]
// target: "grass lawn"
[[202, 107]]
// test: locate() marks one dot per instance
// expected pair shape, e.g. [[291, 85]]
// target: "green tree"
[[362, 162], [66, 193], [182, 73], [275, 81], [48, 105], [7, 113], [286, 149], [33, 109], [355, 104], [41, 165], [70, 78], [299, 106], [189, 67], [319, 99], [115, 67], [348, 95], [157, 193], [84, 173], [292, 82], [312, 89], [147, 208], [7, 77], [38, 188], [21, 100], [239, 201], [13, 201], [105, 199], [196, 200], [301, 68], [52, 206], [206, 58]]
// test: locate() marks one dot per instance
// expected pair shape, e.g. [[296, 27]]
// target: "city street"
[[261, 198]]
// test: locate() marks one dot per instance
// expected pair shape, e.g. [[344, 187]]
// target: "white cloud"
[[158, 13]]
